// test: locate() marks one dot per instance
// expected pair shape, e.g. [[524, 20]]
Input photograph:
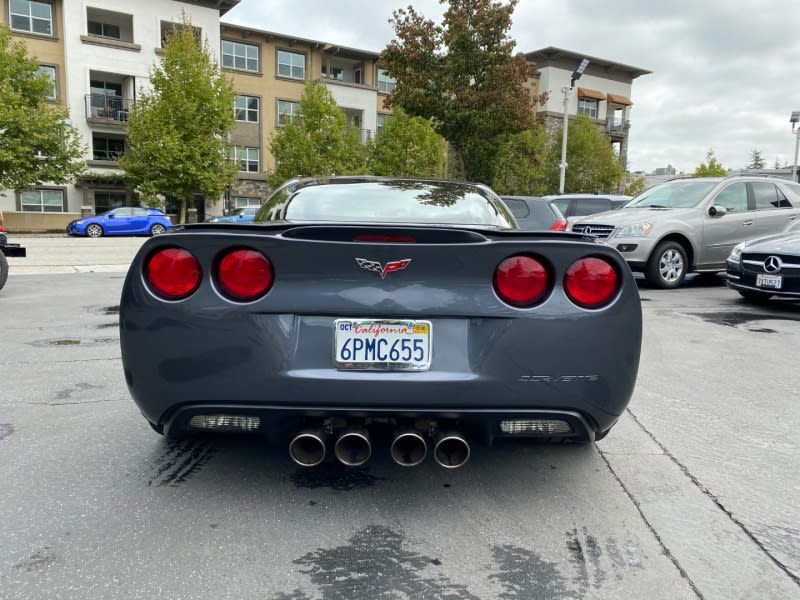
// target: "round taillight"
[[521, 281], [591, 282], [173, 273], [244, 275]]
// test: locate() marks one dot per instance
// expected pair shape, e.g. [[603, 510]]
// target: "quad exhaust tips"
[[307, 448], [408, 449], [353, 448], [451, 450]]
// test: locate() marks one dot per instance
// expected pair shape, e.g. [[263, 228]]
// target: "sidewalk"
[[59, 253]]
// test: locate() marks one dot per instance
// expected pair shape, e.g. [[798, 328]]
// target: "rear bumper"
[[282, 422]]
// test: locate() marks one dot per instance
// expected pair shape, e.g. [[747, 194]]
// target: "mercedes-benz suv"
[[692, 224]]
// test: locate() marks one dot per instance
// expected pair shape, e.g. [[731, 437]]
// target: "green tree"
[[756, 160], [37, 144], [178, 131], [317, 141], [407, 146], [464, 76], [710, 168], [519, 164], [592, 163], [633, 185]]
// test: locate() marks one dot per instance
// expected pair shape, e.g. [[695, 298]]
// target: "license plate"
[[769, 281], [383, 345]]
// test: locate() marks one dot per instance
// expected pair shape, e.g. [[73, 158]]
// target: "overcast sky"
[[726, 74]]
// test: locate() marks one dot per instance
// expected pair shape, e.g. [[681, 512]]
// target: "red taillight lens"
[[521, 281], [559, 225], [173, 273], [591, 282], [244, 275]]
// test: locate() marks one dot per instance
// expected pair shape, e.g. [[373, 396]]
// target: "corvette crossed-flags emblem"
[[384, 270]]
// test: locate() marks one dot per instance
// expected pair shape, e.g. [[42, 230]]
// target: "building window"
[[50, 73], [42, 200], [386, 84], [245, 201], [291, 64], [105, 201], [32, 16], [287, 111], [588, 106], [335, 73], [381, 121], [246, 158], [107, 147], [104, 29], [243, 57], [246, 108]]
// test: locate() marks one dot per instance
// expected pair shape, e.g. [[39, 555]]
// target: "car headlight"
[[635, 230], [736, 253], [78, 223]]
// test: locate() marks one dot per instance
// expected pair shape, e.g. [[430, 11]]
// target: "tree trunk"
[[182, 216]]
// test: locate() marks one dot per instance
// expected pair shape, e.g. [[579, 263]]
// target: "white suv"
[[692, 224]]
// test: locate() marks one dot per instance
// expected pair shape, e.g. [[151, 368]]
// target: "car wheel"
[[94, 230], [757, 297], [667, 266], [157, 229], [3, 270]]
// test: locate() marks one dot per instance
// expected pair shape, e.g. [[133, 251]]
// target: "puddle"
[[740, 320], [74, 342]]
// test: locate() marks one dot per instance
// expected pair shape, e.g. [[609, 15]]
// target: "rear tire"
[[667, 266], [3, 269], [94, 230], [756, 297], [157, 229]]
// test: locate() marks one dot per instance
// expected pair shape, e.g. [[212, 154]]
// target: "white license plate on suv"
[[382, 344], [773, 282]]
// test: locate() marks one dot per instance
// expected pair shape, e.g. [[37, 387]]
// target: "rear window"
[[393, 201], [590, 206], [519, 208]]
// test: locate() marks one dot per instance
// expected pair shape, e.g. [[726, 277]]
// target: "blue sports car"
[[240, 215], [125, 220], [359, 313]]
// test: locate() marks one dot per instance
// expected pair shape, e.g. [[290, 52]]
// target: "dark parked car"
[[240, 215], [533, 213], [357, 310], [125, 220], [575, 206], [766, 267], [7, 249]]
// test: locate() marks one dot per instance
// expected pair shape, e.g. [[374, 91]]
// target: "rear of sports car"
[[349, 339]]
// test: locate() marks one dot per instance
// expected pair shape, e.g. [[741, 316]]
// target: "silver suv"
[[692, 224]]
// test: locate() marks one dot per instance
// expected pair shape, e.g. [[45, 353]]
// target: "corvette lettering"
[[384, 270], [558, 378]]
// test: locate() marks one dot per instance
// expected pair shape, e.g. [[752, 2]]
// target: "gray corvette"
[[395, 315]]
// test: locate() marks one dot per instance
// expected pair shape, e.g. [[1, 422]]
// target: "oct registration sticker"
[[382, 345]]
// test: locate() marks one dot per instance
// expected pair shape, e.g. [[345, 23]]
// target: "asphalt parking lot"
[[693, 495]]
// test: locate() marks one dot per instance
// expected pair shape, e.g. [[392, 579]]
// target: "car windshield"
[[673, 194], [395, 201]]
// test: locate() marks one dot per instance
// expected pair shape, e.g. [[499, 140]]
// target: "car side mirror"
[[111, 215], [717, 211]]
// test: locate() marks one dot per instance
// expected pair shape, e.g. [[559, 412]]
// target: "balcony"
[[617, 127], [107, 110]]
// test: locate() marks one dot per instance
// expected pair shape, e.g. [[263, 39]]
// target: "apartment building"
[[603, 92], [99, 54], [269, 71]]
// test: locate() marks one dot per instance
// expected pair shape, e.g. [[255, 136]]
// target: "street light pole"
[[563, 164], [794, 120], [576, 74]]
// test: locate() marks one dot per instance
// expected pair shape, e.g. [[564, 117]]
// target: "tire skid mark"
[[182, 461]]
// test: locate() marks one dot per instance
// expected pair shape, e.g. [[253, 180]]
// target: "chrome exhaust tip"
[[353, 448], [408, 449], [451, 450], [307, 449]]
